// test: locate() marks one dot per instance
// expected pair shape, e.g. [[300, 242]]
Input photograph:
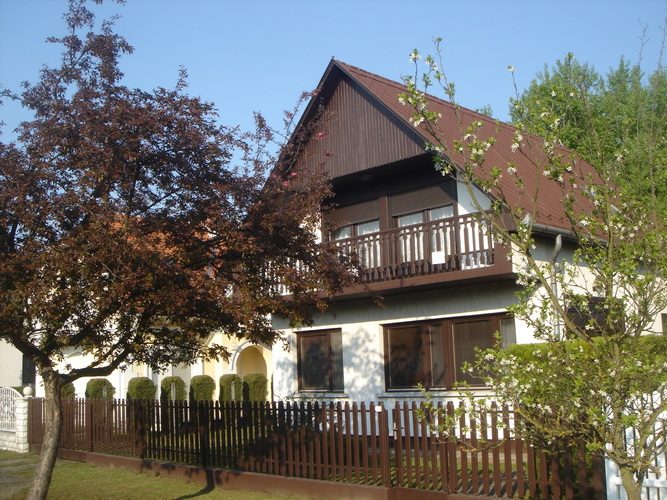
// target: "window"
[[366, 250], [358, 229], [420, 217], [416, 242], [433, 353], [320, 361], [592, 314], [27, 371]]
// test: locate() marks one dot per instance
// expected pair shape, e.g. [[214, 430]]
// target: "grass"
[[76, 480]]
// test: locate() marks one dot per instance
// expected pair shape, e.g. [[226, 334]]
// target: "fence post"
[[385, 468], [202, 417], [137, 412], [88, 405], [21, 425]]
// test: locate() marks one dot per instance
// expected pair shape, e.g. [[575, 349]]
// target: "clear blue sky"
[[258, 55]]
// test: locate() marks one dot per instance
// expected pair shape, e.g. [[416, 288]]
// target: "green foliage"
[[202, 388], [620, 119], [141, 388], [593, 304], [255, 387], [68, 391], [172, 389], [99, 388], [231, 388]]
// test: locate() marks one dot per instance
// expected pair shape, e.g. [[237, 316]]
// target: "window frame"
[[354, 230], [447, 342], [424, 214], [334, 383]]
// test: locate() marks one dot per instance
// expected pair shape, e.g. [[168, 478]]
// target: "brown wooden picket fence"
[[354, 443]]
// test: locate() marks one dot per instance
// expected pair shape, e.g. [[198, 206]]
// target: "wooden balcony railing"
[[440, 246]]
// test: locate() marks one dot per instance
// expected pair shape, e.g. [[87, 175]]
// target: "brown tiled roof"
[[547, 209]]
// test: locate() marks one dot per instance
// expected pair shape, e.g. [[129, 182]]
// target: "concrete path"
[[10, 483]]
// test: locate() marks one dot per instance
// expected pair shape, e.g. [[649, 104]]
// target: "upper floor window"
[[358, 229], [320, 361], [422, 216], [434, 353]]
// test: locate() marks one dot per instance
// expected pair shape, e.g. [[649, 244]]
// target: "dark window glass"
[[406, 357], [469, 335], [27, 372], [320, 361], [433, 354]]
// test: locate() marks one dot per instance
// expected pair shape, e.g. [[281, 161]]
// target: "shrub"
[[255, 387], [99, 388], [231, 388], [68, 391], [141, 388], [202, 388], [172, 389]]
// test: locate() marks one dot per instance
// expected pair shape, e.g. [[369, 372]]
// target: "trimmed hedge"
[[68, 391], [99, 388], [202, 388], [255, 387], [141, 388], [651, 347], [231, 388], [172, 389]]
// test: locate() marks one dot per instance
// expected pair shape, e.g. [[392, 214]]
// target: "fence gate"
[[8, 398]]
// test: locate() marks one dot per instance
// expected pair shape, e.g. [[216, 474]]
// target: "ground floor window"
[[320, 361], [433, 353], [28, 371]]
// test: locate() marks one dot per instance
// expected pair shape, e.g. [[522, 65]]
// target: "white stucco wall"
[[362, 321], [11, 364]]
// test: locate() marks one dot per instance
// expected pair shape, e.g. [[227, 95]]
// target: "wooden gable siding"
[[357, 133]]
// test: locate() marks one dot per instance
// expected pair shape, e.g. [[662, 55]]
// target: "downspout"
[[558, 245]]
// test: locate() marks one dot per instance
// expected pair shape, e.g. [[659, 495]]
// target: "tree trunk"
[[632, 489], [54, 421]]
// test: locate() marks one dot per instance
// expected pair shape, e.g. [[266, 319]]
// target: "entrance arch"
[[251, 360]]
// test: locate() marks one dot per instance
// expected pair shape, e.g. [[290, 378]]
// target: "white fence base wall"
[[17, 439], [654, 487]]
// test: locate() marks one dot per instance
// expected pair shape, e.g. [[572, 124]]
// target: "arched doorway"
[[251, 360]]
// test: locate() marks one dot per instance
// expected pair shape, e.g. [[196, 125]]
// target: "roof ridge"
[[431, 97]]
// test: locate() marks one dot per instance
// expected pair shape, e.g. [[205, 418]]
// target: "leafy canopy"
[[132, 224]]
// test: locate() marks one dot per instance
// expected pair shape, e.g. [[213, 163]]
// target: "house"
[[16, 370], [445, 284]]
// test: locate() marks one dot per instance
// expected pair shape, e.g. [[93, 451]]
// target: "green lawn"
[[76, 480]]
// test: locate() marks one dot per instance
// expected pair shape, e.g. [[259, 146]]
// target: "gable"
[[363, 126], [357, 132]]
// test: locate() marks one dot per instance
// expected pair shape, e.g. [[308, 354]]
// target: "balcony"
[[417, 254]]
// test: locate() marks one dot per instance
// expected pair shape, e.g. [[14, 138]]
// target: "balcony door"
[[418, 240], [361, 242]]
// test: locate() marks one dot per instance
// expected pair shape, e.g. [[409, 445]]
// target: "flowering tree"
[[592, 298], [132, 226]]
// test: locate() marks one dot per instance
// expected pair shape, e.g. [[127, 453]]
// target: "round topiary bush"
[[231, 388], [68, 391], [202, 388], [255, 387], [172, 389], [99, 388], [141, 388]]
